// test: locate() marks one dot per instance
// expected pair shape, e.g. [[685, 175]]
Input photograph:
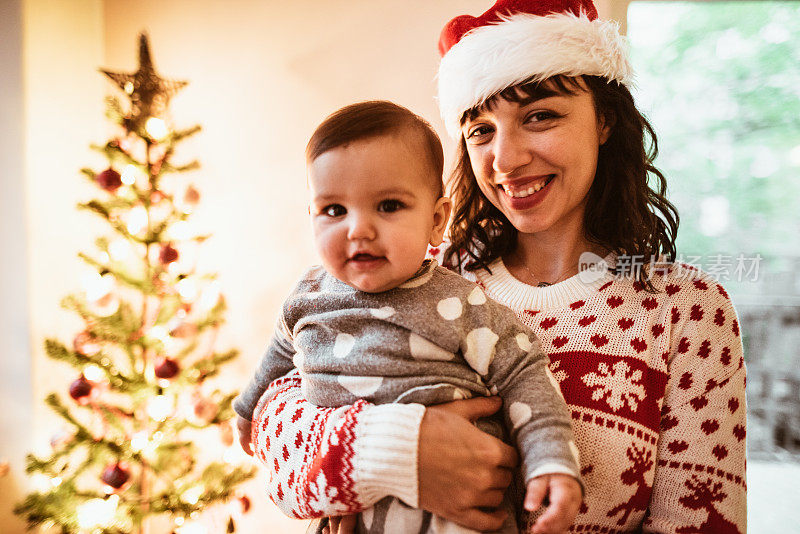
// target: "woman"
[[552, 172]]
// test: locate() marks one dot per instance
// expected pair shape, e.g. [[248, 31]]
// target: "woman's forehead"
[[525, 93]]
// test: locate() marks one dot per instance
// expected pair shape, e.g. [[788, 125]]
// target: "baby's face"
[[374, 211]]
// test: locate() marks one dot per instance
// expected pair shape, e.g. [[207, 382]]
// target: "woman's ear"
[[441, 216], [605, 124]]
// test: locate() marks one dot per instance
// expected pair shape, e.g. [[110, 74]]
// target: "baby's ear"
[[441, 216]]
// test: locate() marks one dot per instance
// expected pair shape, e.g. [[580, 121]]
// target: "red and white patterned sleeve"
[[700, 483], [334, 461]]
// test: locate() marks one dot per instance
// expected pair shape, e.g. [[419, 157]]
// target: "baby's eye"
[[390, 205], [334, 210]]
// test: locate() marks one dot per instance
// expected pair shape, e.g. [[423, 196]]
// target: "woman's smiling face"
[[535, 160]]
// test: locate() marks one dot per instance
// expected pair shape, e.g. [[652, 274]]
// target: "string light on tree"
[[97, 512], [156, 128], [129, 174]]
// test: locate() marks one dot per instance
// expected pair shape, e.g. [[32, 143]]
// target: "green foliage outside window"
[[720, 81]]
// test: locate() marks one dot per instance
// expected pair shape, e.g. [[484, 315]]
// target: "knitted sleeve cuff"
[[385, 452]]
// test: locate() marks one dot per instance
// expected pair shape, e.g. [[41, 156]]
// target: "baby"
[[378, 321]]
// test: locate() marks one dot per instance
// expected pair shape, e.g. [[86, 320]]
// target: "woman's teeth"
[[522, 193]]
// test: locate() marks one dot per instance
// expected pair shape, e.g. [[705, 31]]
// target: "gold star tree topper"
[[149, 93]]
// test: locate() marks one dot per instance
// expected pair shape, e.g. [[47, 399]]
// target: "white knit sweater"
[[655, 386]]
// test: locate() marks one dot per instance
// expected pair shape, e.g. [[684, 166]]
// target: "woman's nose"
[[360, 227], [510, 151]]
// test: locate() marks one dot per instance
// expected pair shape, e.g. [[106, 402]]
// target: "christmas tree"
[[142, 418]]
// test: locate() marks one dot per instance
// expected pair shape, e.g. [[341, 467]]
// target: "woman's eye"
[[540, 116], [334, 210], [390, 206], [477, 132]]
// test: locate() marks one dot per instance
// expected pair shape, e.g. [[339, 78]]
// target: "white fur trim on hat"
[[525, 47]]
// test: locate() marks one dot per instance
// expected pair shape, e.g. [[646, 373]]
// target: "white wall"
[[15, 362]]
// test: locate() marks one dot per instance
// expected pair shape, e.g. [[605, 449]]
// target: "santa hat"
[[519, 41]]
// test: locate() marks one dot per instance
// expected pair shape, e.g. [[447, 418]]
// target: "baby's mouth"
[[527, 191], [362, 256]]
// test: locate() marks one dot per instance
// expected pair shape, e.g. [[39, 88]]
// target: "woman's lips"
[[528, 194], [527, 189]]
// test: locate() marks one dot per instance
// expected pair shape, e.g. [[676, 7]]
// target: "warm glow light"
[[129, 174], [180, 231], [156, 128], [159, 332], [192, 528], [93, 373], [192, 495], [56, 481], [160, 407], [187, 289], [137, 220], [104, 257], [41, 482], [108, 305], [120, 249], [97, 512], [96, 286], [210, 296], [139, 441], [235, 455], [129, 87]]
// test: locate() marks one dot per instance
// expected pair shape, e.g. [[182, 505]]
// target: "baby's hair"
[[375, 118]]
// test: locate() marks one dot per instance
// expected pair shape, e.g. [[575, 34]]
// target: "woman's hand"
[[245, 427], [343, 524], [564, 495], [463, 473]]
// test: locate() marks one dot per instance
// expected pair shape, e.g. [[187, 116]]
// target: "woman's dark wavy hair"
[[627, 210]]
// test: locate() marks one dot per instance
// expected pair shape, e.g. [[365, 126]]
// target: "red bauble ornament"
[[109, 179], [191, 197], [80, 388], [166, 368], [115, 476], [244, 500], [168, 254], [205, 410]]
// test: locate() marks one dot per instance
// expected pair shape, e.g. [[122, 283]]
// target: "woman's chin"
[[531, 225]]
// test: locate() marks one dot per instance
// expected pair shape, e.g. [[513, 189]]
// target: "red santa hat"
[[519, 41]]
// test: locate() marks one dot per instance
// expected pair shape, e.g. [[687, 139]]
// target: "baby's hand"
[[564, 494], [245, 435]]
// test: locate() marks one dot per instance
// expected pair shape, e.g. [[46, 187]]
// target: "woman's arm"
[[699, 483], [335, 461]]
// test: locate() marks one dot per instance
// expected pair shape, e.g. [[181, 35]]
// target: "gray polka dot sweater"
[[435, 338]]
